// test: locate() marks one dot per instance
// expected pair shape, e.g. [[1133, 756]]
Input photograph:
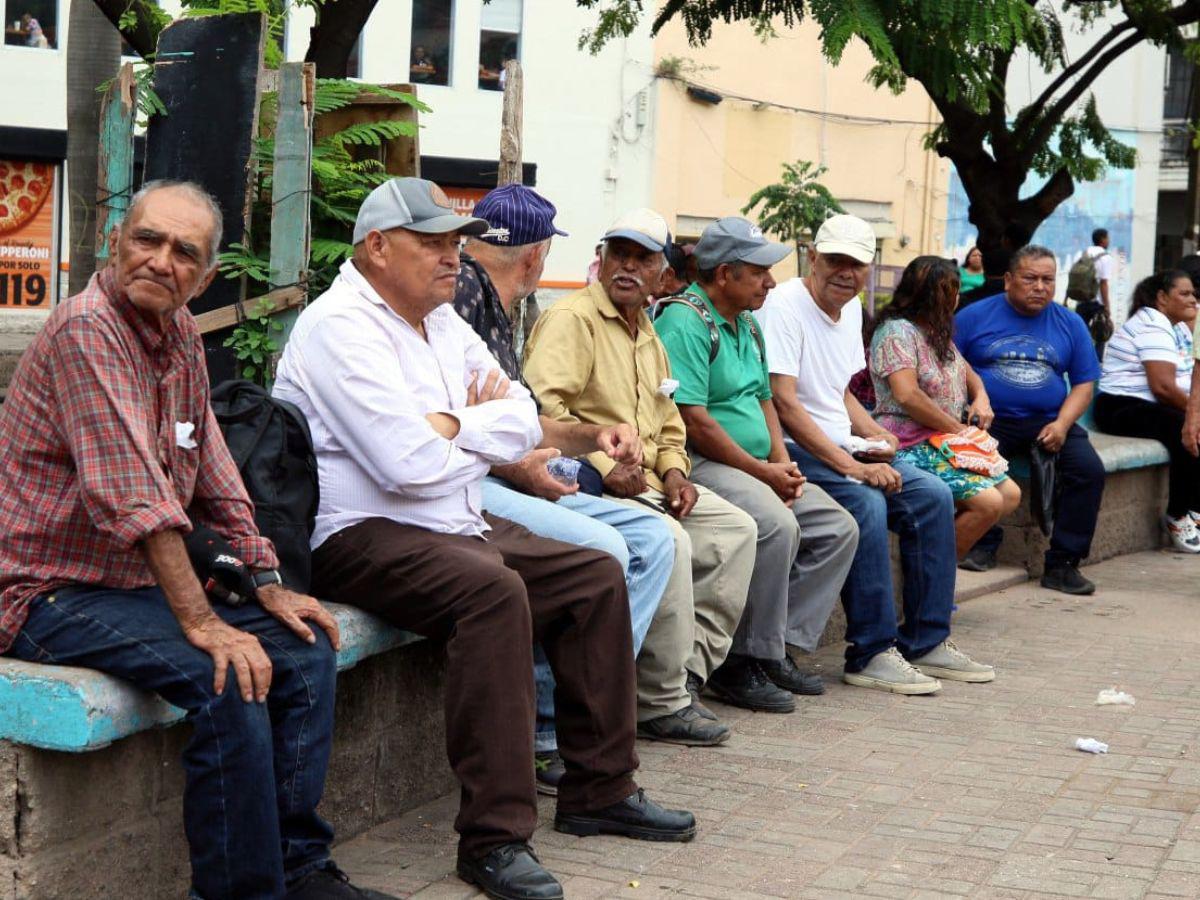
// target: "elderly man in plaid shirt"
[[113, 454]]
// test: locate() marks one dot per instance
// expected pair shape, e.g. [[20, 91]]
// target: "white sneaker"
[[1182, 531], [947, 661], [889, 671]]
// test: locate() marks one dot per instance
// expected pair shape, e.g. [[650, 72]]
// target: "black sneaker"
[[331, 883], [1065, 577], [510, 872], [548, 770], [637, 816], [742, 682], [685, 726], [785, 673], [978, 559], [694, 686]]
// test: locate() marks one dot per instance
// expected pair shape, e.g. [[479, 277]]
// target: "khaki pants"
[[703, 601]]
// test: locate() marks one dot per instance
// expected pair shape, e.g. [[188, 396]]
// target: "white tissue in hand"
[[1113, 697], [857, 444], [1090, 745]]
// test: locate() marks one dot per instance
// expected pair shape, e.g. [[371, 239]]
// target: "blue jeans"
[[254, 772], [922, 514], [1081, 474], [639, 540]]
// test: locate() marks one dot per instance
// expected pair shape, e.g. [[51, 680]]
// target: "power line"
[[821, 114]]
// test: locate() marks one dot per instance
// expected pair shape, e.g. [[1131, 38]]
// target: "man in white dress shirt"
[[408, 412]]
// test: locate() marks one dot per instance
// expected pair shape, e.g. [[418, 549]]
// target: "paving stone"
[[976, 792]]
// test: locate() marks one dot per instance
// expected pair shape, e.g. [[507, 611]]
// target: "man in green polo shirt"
[[806, 541]]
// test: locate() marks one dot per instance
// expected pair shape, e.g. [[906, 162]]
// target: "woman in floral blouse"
[[924, 387]]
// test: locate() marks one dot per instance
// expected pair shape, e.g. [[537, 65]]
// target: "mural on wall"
[[1107, 203]]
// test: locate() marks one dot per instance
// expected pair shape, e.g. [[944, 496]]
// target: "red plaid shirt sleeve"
[[220, 500], [122, 481]]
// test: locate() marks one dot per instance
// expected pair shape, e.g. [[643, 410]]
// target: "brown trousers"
[[490, 599]]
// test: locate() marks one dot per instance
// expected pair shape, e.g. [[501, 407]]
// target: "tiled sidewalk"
[[975, 792]]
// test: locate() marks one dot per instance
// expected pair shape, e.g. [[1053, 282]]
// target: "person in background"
[[674, 276], [995, 263], [924, 387], [1025, 347], [1103, 262], [970, 273], [422, 69], [1145, 381]]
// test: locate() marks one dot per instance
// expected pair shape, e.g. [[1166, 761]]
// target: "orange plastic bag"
[[972, 449]]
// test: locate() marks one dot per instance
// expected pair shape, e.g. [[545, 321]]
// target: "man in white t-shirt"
[[1104, 265], [813, 332]]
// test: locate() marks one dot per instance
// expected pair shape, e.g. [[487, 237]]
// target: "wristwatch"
[[266, 578]]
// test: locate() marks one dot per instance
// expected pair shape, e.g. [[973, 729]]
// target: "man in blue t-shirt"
[[1022, 344]]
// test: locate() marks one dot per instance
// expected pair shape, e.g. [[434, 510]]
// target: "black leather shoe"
[[685, 726], [978, 559], [331, 883], [787, 675], [637, 816], [510, 872], [694, 686], [1065, 577], [742, 682]]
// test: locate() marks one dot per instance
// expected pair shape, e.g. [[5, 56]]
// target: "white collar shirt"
[[365, 380]]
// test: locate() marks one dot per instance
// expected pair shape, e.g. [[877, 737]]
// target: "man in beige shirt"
[[594, 357]]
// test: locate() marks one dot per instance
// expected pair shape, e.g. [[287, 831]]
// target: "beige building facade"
[[780, 101]]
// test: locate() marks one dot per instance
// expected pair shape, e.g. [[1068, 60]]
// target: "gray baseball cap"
[[734, 239], [414, 204]]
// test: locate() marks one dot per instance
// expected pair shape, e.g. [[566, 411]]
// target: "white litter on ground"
[[1113, 697], [1090, 745]]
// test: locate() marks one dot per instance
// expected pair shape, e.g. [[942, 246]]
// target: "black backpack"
[[272, 448]]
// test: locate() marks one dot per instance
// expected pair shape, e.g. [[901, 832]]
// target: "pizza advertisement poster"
[[28, 234]]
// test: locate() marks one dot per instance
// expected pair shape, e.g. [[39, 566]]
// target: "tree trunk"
[[332, 39], [93, 56]]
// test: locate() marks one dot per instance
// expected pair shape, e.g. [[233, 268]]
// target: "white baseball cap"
[[847, 235], [642, 226]]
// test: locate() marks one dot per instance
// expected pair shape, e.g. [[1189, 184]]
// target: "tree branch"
[[143, 37], [1048, 197], [1070, 71], [1050, 119], [1186, 14]]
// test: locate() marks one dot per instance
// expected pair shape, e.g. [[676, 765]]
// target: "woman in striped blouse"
[[1144, 384]]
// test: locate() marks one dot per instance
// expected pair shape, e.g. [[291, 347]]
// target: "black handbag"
[[1045, 489]]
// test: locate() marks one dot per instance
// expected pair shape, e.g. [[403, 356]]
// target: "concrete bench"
[[91, 782], [1130, 513]]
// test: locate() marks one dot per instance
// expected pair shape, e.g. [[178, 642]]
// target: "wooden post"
[[511, 124], [292, 181], [114, 175]]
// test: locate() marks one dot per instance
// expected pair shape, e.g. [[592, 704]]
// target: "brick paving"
[[975, 792]]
